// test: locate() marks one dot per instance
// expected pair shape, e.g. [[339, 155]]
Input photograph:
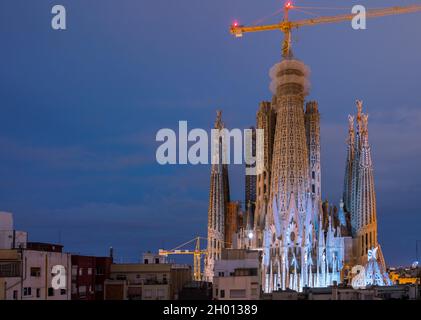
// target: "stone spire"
[[360, 195], [218, 199], [349, 165], [312, 122], [355, 165], [366, 195]]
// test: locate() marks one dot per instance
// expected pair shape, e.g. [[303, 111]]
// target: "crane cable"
[[300, 9], [185, 243], [259, 21], [307, 12]]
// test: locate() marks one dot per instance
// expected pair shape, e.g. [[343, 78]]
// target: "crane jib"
[[286, 26]]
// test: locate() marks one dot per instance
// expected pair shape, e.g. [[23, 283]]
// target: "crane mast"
[[197, 255], [286, 25]]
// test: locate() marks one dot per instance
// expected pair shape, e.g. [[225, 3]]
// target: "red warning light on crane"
[[288, 5]]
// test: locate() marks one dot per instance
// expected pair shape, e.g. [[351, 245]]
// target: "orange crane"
[[197, 255], [286, 25]]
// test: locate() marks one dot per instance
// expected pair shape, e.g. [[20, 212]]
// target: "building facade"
[[88, 276], [237, 275], [27, 274], [28, 269], [150, 281]]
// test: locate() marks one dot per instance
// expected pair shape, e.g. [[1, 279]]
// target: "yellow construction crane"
[[197, 255], [286, 25]]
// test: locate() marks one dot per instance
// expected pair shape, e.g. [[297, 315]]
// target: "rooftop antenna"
[[112, 253]]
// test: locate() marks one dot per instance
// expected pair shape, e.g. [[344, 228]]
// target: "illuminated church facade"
[[305, 241]]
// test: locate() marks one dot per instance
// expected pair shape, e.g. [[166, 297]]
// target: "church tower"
[[290, 165], [359, 191], [265, 120], [218, 199], [346, 198], [355, 172], [366, 196], [250, 184], [298, 249], [289, 233], [312, 121]]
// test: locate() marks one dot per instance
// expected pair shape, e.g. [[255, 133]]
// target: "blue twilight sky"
[[79, 110]]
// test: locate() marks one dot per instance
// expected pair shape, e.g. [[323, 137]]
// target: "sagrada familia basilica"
[[304, 240]]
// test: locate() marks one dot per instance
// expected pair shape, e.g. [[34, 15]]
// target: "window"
[[246, 272], [220, 274], [15, 294], [98, 287], [62, 292], [145, 261], [216, 292], [313, 175], [80, 271], [9, 269], [89, 271], [38, 292], [313, 188], [157, 260], [237, 293], [99, 270], [35, 272], [222, 293], [161, 294], [27, 291], [148, 293], [50, 292]]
